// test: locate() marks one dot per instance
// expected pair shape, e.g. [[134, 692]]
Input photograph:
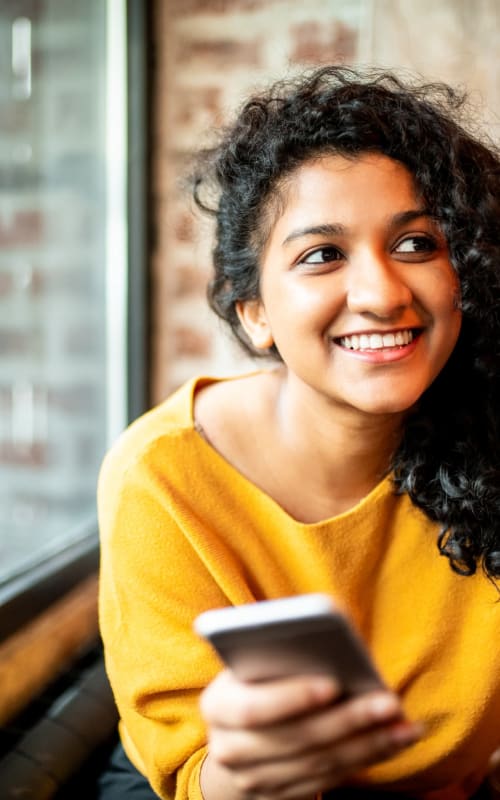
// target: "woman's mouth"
[[378, 341]]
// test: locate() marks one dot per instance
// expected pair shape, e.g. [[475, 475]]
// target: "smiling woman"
[[357, 246]]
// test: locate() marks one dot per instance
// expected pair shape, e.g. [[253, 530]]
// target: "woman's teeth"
[[376, 341]]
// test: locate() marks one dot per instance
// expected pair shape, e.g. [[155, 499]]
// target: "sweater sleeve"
[[152, 586]]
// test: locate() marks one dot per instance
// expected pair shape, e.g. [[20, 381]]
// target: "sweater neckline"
[[364, 506]]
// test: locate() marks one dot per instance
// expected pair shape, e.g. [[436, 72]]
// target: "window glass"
[[55, 222]]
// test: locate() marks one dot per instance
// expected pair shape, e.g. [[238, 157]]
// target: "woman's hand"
[[494, 776], [288, 739]]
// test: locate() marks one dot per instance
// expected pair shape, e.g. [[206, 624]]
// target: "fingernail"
[[383, 706], [406, 733], [324, 688]]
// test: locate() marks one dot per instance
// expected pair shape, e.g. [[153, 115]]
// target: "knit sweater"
[[183, 531]]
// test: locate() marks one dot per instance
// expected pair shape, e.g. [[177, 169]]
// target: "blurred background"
[[103, 261]]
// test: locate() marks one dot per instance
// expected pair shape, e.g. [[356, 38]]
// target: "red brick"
[[184, 227], [193, 105], [190, 342], [189, 281], [184, 7], [34, 455], [314, 42], [220, 53], [25, 227]]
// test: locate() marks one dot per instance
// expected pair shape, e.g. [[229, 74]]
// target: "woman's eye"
[[323, 255], [416, 244]]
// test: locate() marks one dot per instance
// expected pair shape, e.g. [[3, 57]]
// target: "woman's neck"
[[343, 451]]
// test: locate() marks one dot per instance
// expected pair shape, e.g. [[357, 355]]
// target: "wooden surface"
[[35, 655]]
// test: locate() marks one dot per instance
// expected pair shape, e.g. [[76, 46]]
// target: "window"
[[66, 339]]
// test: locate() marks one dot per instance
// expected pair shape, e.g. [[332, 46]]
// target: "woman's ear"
[[253, 318]]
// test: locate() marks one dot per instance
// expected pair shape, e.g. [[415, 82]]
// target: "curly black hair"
[[447, 460]]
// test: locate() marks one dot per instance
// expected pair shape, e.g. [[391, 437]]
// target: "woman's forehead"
[[333, 185]]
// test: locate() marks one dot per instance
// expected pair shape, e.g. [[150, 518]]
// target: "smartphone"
[[303, 634]]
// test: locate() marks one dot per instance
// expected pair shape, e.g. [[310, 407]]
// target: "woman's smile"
[[380, 347], [377, 340]]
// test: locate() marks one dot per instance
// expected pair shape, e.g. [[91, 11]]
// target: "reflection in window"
[[54, 244]]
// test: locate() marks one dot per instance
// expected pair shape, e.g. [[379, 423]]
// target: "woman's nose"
[[377, 286]]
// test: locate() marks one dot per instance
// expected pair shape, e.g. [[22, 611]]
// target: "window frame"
[[33, 591]]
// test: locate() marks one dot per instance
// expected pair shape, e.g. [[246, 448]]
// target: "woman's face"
[[357, 289]]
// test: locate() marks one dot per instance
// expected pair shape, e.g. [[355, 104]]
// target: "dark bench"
[[57, 747]]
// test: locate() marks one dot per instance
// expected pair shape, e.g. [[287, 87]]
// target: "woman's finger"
[[494, 776], [227, 702], [319, 770], [314, 730]]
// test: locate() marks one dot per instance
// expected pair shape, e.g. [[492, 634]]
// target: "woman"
[[356, 245]]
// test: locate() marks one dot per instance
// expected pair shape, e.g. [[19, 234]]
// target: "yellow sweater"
[[183, 531]]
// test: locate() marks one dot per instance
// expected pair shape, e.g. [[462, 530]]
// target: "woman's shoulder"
[[226, 412], [161, 428], [163, 420], [207, 402]]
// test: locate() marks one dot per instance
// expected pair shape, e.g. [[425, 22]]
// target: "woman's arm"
[[153, 584]]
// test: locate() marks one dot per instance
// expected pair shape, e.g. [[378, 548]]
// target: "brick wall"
[[209, 55]]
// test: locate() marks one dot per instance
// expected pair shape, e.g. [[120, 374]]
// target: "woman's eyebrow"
[[316, 230], [408, 216], [337, 229]]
